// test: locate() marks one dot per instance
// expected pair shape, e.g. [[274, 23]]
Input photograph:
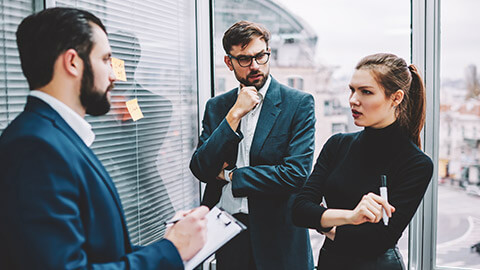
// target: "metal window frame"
[[205, 67], [45, 3], [426, 55]]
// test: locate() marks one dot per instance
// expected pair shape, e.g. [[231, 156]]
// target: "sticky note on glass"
[[134, 109], [119, 69]]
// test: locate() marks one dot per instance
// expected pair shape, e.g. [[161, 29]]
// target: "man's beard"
[[258, 84], [93, 100]]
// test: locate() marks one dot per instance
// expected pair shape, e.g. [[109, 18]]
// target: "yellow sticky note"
[[134, 109], [119, 69]]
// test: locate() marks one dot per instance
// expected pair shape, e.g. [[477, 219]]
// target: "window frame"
[[205, 62], [425, 46]]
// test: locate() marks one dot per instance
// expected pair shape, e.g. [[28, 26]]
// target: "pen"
[[172, 221], [383, 194]]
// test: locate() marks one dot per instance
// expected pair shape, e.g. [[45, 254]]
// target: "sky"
[[348, 30]]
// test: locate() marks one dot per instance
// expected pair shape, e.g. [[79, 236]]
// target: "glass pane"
[[458, 223], [315, 46], [148, 159], [13, 86]]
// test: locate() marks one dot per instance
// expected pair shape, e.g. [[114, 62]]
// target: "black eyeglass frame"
[[251, 58]]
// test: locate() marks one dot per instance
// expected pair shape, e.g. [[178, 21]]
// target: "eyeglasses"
[[245, 61]]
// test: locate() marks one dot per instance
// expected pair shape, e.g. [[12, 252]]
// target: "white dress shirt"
[[248, 125], [73, 119]]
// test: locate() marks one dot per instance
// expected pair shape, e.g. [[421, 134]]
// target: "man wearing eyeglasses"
[[254, 153]]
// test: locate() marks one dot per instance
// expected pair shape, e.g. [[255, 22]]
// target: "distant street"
[[458, 229]]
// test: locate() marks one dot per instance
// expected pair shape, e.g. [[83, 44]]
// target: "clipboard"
[[221, 227]]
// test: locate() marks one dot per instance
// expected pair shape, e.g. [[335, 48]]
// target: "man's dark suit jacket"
[[59, 208], [281, 160]]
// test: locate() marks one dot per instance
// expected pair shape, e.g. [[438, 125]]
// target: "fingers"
[[247, 100], [189, 234], [389, 209], [198, 215], [180, 214], [200, 212], [370, 209], [221, 175], [252, 93], [375, 209], [368, 216]]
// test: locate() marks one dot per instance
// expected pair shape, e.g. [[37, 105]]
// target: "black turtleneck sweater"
[[348, 167]]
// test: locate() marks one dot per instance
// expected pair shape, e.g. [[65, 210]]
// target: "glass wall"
[[13, 86], [458, 217], [315, 47], [147, 159]]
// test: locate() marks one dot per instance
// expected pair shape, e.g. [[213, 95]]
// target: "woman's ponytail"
[[415, 111]]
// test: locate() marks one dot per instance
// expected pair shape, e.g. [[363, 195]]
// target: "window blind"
[[148, 159], [13, 86]]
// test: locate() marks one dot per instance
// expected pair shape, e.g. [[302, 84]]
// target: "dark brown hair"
[[242, 32], [393, 73], [43, 36]]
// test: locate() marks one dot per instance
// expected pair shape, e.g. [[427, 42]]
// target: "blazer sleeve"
[[214, 146], [405, 197], [42, 226], [306, 211], [291, 174]]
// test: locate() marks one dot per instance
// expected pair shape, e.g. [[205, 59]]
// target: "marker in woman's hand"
[[384, 195]]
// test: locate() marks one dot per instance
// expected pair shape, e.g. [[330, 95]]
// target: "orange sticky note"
[[134, 109], [119, 69]]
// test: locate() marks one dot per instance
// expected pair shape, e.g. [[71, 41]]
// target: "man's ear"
[[72, 63], [228, 62], [397, 97]]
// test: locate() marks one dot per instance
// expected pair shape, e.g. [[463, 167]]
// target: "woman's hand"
[[369, 209]]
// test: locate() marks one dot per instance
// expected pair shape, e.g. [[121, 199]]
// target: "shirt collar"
[[73, 119]]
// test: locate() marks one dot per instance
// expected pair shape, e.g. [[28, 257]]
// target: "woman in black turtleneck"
[[388, 99]]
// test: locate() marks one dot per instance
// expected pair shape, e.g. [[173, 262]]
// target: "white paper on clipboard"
[[221, 227]]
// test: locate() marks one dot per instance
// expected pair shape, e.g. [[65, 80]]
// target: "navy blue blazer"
[[59, 209], [280, 158]]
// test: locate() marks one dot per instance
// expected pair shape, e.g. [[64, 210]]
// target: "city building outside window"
[[458, 215]]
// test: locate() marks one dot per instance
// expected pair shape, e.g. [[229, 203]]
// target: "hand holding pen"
[[188, 231], [370, 209]]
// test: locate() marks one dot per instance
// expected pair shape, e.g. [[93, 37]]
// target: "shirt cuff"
[[227, 174]]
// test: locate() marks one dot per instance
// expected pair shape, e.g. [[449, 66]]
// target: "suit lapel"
[[267, 118]]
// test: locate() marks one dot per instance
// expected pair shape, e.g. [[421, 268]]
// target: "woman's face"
[[370, 107]]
